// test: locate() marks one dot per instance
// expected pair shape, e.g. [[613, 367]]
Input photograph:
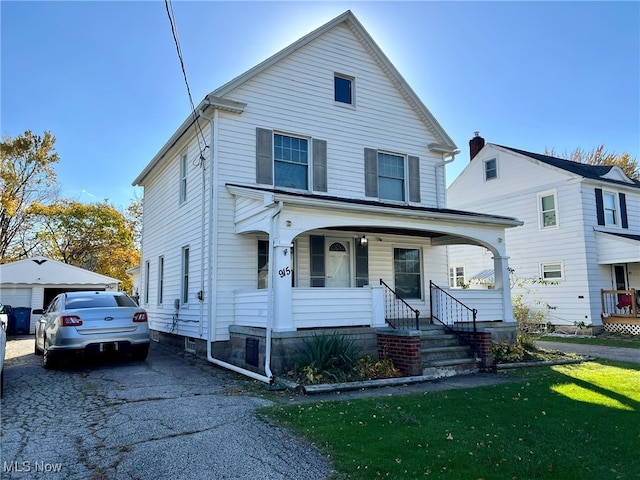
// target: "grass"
[[562, 422], [606, 339]]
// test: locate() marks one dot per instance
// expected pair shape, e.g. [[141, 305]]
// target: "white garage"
[[33, 282]]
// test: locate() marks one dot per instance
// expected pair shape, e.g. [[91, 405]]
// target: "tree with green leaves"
[[600, 156], [26, 176], [96, 237]]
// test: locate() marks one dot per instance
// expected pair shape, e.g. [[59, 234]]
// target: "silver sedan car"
[[91, 323]]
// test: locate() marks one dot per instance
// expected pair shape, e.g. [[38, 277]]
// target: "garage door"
[[16, 297]]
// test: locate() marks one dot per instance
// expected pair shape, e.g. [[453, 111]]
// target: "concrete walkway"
[[595, 351]]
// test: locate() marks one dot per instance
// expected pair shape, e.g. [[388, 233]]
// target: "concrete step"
[[443, 353]]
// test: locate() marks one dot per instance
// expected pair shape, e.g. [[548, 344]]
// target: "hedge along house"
[[33, 282], [324, 175]]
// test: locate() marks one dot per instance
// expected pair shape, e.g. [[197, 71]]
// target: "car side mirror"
[[37, 311]]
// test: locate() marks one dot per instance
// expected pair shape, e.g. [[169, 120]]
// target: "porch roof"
[[617, 247], [302, 198]]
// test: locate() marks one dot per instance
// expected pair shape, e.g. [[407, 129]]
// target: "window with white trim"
[[551, 271], [160, 279], [291, 161], [184, 288], [183, 177], [263, 264], [456, 276], [391, 185], [547, 209], [343, 89], [610, 203], [491, 169], [147, 271], [407, 272]]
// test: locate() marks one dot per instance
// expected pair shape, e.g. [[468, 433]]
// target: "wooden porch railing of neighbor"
[[454, 315], [398, 313], [620, 304]]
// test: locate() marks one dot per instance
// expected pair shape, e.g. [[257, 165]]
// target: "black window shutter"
[[599, 206], [264, 151], [414, 179], [370, 172], [317, 261], [319, 165], [623, 210]]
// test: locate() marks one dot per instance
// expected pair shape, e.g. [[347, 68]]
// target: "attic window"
[[343, 89], [490, 169]]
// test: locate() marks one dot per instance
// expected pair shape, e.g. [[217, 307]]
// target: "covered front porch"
[[325, 262]]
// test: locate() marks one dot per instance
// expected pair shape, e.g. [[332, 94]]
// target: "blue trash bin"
[[22, 320]]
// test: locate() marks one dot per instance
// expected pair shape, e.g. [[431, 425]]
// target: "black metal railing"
[[454, 315], [398, 313]]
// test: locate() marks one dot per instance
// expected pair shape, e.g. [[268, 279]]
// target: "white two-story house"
[[280, 205], [581, 233]]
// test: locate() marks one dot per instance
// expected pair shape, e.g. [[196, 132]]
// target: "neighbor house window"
[[147, 270], [291, 161], [406, 269], [610, 208], [391, 177], [263, 264], [183, 178], [456, 276], [343, 89], [185, 276], [551, 271], [547, 209], [160, 279], [490, 169]]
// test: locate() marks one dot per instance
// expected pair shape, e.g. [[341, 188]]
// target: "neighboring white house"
[[278, 207], [34, 282], [581, 227]]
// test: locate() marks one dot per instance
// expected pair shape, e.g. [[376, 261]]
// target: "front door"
[[338, 263], [620, 277]]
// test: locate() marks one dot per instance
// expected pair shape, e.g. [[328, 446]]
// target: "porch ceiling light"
[[363, 242]]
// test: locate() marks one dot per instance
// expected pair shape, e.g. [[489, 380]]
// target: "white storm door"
[[338, 263]]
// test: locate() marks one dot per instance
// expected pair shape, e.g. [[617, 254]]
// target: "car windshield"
[[97, 301]]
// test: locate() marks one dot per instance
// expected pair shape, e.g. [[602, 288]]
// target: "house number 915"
[[284, 272]]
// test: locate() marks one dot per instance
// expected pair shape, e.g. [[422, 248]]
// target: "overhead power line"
[[174, 30]]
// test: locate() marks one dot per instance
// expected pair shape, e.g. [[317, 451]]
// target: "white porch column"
[[282, 290], [501, 270]]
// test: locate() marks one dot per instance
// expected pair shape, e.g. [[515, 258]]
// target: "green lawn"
[[565, 422], [610, 340]]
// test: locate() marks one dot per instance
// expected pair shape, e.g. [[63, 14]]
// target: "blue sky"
[[105, 79]]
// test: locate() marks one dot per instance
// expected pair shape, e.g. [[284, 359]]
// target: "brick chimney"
[[475, 145]]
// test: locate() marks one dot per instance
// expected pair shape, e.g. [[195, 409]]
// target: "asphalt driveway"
[[173, 416]]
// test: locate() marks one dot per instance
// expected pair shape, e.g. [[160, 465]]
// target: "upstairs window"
[[611, 209], [551, 271], [183, 178], [490, 169], [547, 210], [291, 161], [390, 177], [343, 89]]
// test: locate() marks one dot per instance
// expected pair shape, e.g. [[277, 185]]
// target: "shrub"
[[369, 369], [326, 358], [505, 352]]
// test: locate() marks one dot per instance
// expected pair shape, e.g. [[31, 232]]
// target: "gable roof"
[[593, 172], [354, 25], [44, 271], [215, 99]]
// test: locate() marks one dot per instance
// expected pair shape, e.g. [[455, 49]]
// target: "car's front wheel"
[[49, 361]]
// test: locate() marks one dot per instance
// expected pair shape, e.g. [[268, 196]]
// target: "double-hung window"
[[611, 208], [391, 177], [551, 271], [547, 210], [406, 270], [491, 169], [184, 295], [291, 161], [183, 177]]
